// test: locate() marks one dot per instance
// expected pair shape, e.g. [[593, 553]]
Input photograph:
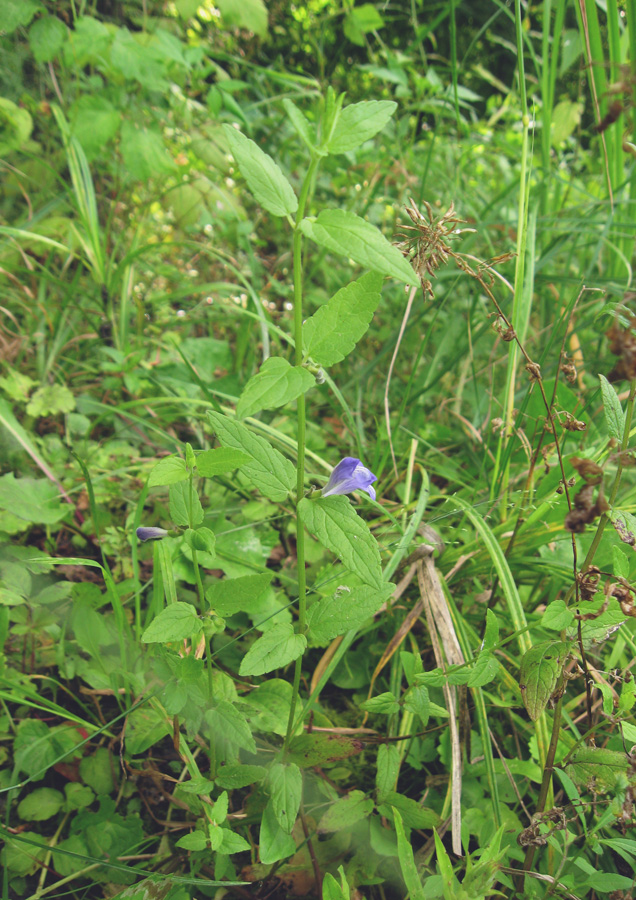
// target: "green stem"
[[301, 413]]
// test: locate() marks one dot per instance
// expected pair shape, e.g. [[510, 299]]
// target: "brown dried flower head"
[[426, 242]]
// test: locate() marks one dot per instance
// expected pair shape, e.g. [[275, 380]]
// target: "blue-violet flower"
[[151, 533], [350, 475]]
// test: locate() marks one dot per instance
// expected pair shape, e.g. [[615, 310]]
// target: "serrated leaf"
[[226, 721], [196, 840], [46, 37], [406, 859], [309, 750], [271, 472], [276, 384], [232, 843], [344, 813], [625, 525], [220, 460], [237, 594], [232, 777], [388, 769], [51, 400], [620, 562], [347, 609], [263, 176], [540, 669], [484, 671], [416, 700], [176, 622], [203, 540], [301, 123], [599, 764], [345, 233], [557, 616], [359, 122], [491, 634], [596, 630], [385, 704], [41, 804], [273, 843], [285, 785], [335, 523], [614, 414], [169, 470], [248, 14], [274, 649], [181, 498], [334, 330]]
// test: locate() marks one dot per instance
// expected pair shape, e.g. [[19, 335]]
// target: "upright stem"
[[301, 413]]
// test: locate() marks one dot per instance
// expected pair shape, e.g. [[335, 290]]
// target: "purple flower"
[[350, 475], [151, 533]]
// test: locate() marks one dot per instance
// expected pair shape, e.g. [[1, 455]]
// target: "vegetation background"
[[449, 711]]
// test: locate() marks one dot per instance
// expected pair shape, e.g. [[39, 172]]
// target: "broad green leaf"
[[274, 843], [285, 785], [95, 122], [388, 769], [218, 813], [220, 460], [557, 616], [274, 649], [625, 524], [360, 21], [347, 609], [32, 499], [234, 595], [144, 153], [607, 621], [174, 623], [540, 669], [331, 890], [232, 777], [629, 732], [344, 813], [183, 496], [232, 843], [566, 117], [41, 804], [97, 771], [78, 796], [275, 384], [169, 470], [491, 635], [416, 700], [51, 400], [334, 330], [145, 727], [263, 176], [248, 14], [46, 37], [340, 529], [385, 704], [197, 785], [21, 858], [614, 414], [359, 122], [410, 874], [309, 750], [14, 13], [300, 122], [196, 840], [345, 233], [484, 671], [412, 814], [597, 764], [271, 472], [203, 540], [621, 562], [229, 724]]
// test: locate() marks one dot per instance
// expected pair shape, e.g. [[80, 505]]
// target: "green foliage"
[[282, 688]]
